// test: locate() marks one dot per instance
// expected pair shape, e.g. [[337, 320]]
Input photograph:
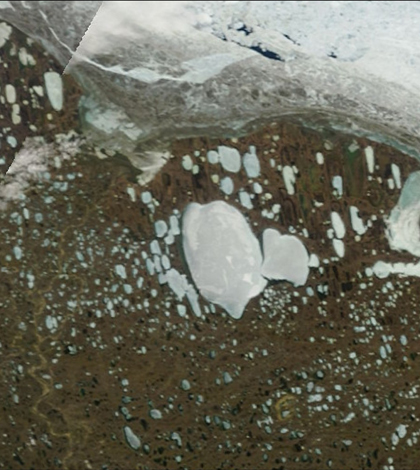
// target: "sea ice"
[[223, 255], [403, 231], [285, 258]]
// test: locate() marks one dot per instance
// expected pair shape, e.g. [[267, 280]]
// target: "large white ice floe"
[[285, 258], [403, 229], [223, 255]]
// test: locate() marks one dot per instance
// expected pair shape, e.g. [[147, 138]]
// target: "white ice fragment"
[[338, 224], [5, 32], [396, 174], [401, 431], [285, 258], [230, 159], [381, 269], [132, 193], [370, 159], [156, 262], [146, 197], [169, 239], [319, 158], [339, 248], [54, 87], [356, 221], [174, 225], [161, 228], [150, 266], [257, 188], [155, 414], [132, 439], [313, 261], [120, 271], [182, 310], [337, 183], [38, 90], [17, 251], [245, 199], [223, 255], [166, 264], [251, 164], [192, 297], [155, 248], [289, 178], [226, 185], [10, 92], [51, 322], [26, 58], [213, 157], [187, 163], [177, 282], [16, 118], [382, 352]]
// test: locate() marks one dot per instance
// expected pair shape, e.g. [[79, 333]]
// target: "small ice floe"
[[251, 163], [356, 222], [132, 439], [396, 174], [5, 32], [338, 225], [289, 179], [245, 199], [319, 158], [223, 255], [226, 185], [187, 163], [213, 157], [337, 184], [285, 258], [54, 87], [339, 247], [370, 159], [230, 159]]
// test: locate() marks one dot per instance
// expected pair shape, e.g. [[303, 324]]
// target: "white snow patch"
[[223, 255], [285, 258]]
